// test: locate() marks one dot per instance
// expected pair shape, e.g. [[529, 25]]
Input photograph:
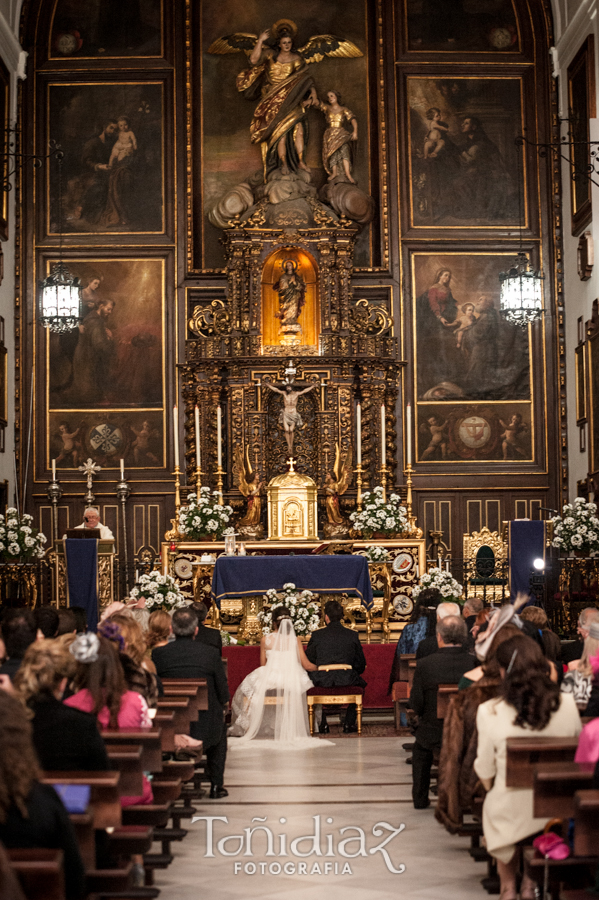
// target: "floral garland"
[[442, 581], [159, 591], [388, 517], [18, 538], [375, 553], [577, 528], [304, 610], [204, 515]]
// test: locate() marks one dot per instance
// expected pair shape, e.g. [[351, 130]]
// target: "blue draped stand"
[[526, 543], [242, 576], [82, 577]]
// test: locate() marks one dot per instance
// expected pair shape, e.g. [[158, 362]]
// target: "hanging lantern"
[[60, 300], [521, 298]]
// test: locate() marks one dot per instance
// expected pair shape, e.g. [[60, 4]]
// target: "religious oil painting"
[[112, 174], [288, 142], [114, 359], [465, 350], [106, 28], [581, 108], [467, 26], [495, 432], [593, 400], [137, 436], [465, 168]]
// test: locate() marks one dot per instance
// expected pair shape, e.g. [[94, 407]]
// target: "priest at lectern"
[[81, 558], [91, 519]]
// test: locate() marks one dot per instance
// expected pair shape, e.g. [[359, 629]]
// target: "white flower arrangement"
[[374, 553], [227, 638], [304, 609], [204, 515], [159, 591], [377, 515], [577, 528], [18, 538], [442, 581]]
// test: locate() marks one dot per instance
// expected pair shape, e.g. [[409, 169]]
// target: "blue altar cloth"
[[82, 577], [241, 576]]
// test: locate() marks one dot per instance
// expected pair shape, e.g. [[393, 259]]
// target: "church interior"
[[299, 311]]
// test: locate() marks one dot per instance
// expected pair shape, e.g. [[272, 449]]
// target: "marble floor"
[[355, 785]]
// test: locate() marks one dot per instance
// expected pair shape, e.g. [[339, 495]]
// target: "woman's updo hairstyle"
[[281, 612]]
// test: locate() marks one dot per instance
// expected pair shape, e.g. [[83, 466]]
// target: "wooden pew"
[[40, 872], [404, 661], [127, 759], [104, 804], [586, 823], [181, 707], [148, 738], [179, 692], [83, 826], [523, 754], [165, 720], [444, 694], [411, 671], [554, 787], [200, 683]]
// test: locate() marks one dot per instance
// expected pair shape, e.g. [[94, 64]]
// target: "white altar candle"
[[53, 470], [198, 450], [122, 470], [383, 438], [219, 436], [358, 434], [409, 434], [176, 434]]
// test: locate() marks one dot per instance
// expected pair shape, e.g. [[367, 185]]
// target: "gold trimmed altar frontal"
[[392, 582]]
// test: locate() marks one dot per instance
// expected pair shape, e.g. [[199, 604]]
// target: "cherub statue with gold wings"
[[335, 485], [278, 78], [248, 482]]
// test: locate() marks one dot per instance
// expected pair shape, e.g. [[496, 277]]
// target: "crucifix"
[[90, 469]]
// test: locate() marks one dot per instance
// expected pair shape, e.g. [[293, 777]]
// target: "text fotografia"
[[349, 842]]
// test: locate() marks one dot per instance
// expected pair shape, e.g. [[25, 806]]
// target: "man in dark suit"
[[337, 645], [446, 666], [430, 645], [186, 658], [206, 635], [18, 632]]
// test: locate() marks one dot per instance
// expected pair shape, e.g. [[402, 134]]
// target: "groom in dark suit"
[[337, 645]]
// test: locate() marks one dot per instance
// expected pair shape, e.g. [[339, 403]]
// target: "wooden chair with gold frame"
[[485, 555]]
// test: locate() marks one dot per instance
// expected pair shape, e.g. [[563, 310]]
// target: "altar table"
[[242, 576], [379, 659]]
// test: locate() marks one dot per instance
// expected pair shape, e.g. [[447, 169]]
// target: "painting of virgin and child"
[[464, 349]]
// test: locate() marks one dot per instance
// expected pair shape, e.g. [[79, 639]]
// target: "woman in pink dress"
[[101, 690]]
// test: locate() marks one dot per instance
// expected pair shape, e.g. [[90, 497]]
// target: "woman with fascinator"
[[269, 706], [529, 702]]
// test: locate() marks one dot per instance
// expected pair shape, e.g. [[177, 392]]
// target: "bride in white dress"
[[269, 705]]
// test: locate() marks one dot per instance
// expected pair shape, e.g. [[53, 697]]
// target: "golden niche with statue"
[[292, 507]]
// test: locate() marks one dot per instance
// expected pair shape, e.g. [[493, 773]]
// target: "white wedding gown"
[[269, 706]]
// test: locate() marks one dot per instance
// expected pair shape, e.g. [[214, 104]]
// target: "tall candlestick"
[[323, 386], [197, 424], [383, 437], [53, 470], [259, 395], [219, 436], [409, 434], [176, 434], [358, 434], [122, 470]]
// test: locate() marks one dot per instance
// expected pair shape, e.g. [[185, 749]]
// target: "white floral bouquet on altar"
[[374, 553], [302, 605], [442, 581], [204, 516], [577, 528], [388, 517], [19, 540], [160, 592]]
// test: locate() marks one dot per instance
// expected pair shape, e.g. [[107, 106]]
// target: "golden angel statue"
[[337, 141], [247, 480], [335, 485], [278, 78]]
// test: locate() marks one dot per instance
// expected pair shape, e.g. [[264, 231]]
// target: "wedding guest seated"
[[18, 632], [420, 625], [458, 781], [80, 618], [579, 678], [529, 702], [67, 621], [429, 645], [101, 689], [470, 611], [46, 620], [158, 632], [573, 649], [331, 645], [31, 814], [65, 739], [446, 666], [551, 643], [206, 635], [140, 673], [186, 658]]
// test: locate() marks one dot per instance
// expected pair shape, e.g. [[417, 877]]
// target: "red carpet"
[[379, 658]]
